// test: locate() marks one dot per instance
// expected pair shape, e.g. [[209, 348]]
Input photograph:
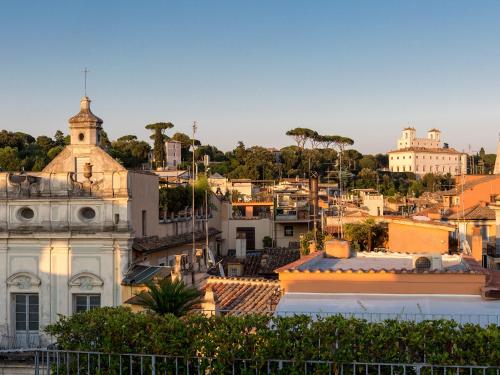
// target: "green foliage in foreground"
[[118, 330]]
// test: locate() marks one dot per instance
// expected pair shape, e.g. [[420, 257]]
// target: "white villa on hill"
[[426, 155]]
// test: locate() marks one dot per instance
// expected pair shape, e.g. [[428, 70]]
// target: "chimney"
[[264, 259], [177, 273], [477, 245], [241, 246], [337, 249], [313, 197], [209, 303]]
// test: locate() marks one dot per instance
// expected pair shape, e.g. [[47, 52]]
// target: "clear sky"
[[250, 70]]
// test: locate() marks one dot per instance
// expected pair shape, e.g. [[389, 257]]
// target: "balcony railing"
[[285, 217], [253, 199], [24, 341], [262, 215]]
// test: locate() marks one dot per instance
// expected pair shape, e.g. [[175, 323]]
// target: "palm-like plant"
[[169, 297]]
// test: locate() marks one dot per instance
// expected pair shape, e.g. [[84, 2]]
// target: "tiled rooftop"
[[263, 263], [477, 212], [469, 185], [425, 149], [244, 295]]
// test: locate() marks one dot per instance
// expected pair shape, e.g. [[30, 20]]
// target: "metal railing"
[[481, 319], [31, 341], [79, 362]]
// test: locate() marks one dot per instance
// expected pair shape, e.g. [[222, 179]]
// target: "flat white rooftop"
[[379, 260], [379, 307]]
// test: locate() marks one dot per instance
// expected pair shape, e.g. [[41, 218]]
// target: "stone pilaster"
[[4, 297]]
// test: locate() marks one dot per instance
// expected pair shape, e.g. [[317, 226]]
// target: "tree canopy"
[[159, 128], [301, 135]]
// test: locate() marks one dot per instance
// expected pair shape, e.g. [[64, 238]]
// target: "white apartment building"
[[426, 155]]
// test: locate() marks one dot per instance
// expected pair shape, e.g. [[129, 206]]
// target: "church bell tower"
[[85, 127]]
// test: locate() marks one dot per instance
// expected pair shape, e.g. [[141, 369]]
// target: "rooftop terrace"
[[378, 261]]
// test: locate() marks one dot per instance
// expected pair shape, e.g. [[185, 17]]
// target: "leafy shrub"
[[256, 337]]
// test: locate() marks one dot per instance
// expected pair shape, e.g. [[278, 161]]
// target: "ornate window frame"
[[24, 282], [85, 281]]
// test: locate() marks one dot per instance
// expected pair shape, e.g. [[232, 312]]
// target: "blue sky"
[[250, 70]]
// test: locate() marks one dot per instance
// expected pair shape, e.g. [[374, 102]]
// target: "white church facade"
[[66, 233]]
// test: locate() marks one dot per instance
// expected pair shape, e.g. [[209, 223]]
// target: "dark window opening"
[[249, 235], [143, 222]]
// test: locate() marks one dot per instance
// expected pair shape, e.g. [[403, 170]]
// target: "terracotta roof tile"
[[477, 212], [469, 185], [263, 263], [244, 295], [425, 149]]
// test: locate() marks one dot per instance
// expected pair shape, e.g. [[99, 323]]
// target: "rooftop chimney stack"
[[241, 246], [337, 249]]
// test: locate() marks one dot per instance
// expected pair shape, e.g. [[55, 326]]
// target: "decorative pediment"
[[24, 280], [86, 281]]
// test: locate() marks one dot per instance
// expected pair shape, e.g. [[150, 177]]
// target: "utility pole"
[[206, 221], [340, 194], [193, 180]]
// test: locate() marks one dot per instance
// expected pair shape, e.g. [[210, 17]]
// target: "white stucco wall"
[[56, 266], [422, 162], [263, 228]]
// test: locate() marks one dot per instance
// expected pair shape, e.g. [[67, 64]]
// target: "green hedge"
[[118, 330]]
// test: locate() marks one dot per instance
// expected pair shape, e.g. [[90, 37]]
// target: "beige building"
[[426, 155], [369, 200], [66, 233], [261, 210]]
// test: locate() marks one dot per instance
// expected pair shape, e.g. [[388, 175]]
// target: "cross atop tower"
[[85, 72]]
